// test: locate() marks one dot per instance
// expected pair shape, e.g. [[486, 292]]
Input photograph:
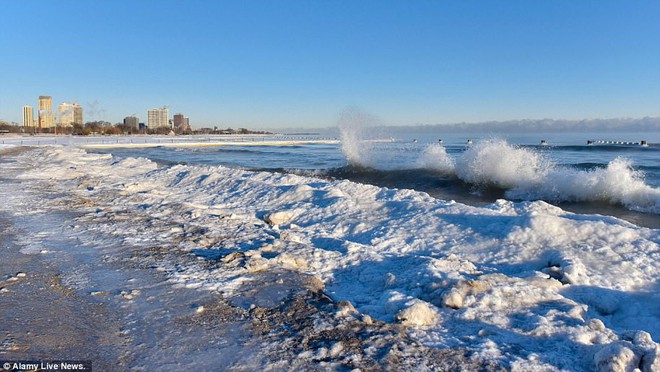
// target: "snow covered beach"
[[520, 286]]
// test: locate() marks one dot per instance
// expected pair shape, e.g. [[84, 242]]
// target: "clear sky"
[[269, 64]]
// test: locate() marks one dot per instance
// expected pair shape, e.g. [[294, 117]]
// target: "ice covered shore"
[[525, 285]]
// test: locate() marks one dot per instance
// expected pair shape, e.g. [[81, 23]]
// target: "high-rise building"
[[158, 118], [78, 114], [69, 114], [131, 122], [46, 115], [28, 116], [181, 123], [65, 114], [179, 120]]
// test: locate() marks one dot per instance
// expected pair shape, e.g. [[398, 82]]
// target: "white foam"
[[496, 163], [619, 183], [528, 175], [435, 157]]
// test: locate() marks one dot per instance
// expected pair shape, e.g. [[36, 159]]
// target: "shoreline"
[[109, 142], [209, 144]]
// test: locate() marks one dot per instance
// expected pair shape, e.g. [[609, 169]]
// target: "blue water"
[[397, 165]]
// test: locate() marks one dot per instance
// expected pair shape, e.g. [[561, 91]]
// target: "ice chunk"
[[567, 269], [291, 262], [616, 357], [651, 360], [279, 218], [345, 308], [418, 313], [454, 297]]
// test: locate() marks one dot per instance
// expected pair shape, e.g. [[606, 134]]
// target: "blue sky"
[[269, 64]]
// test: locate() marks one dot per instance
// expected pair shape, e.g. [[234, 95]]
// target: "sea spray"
[[353, 124], [528, 175], [364, 145], [435, 158], [618, 183], [497, 163]]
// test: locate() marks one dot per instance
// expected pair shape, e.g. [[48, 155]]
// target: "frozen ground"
[[253, 270]]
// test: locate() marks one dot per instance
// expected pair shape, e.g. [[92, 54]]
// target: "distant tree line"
[[7, 127], [215, 130], [106, 128], [646, 124]]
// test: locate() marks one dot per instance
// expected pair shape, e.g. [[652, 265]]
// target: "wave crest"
[[435, 158], [523, 173], [497, 163], [618, 183]]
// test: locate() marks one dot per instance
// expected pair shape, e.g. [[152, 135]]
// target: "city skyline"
[[71, 113], [68, 119], [300, 64]]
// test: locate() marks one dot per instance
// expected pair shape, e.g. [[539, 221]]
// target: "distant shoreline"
[[207, 144], [151, 141]]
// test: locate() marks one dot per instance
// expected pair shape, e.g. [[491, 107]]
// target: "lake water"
[[622, 180]]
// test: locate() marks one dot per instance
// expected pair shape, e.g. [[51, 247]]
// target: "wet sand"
[[43, 319]]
